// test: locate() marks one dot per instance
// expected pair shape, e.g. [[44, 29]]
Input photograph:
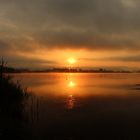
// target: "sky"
[[45, 33]]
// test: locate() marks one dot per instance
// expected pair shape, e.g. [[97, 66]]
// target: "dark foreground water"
[[83, 106]]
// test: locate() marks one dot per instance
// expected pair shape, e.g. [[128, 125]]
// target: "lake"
[[83, 106]]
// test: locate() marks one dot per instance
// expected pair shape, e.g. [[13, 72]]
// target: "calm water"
[[83, 106]]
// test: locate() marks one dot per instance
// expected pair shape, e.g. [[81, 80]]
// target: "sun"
[[71, 60]]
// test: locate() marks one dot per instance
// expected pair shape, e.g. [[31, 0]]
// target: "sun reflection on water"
[[71, 84], [70, 102]]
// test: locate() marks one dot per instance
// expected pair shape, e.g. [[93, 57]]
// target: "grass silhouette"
[[12, 96], [12, 106]]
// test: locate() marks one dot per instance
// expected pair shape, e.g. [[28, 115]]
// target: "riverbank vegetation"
[[12, 106]]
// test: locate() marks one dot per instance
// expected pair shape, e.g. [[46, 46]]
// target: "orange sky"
[[43, 58]]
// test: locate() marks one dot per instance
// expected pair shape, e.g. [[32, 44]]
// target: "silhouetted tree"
[[2, 65]]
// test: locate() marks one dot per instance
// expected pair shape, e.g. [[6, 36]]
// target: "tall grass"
[[12, 106], [12, 95]]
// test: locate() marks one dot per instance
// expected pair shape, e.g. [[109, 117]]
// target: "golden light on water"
[[71, 84], [71, 60], [70, 102]]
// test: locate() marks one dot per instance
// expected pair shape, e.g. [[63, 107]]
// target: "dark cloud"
[[98, 14], [129, 58], [97, 24], [126, 59], [87, 39], [3, 45], [18, 61]]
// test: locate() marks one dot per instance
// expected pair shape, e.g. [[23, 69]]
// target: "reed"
[[12, 95]]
